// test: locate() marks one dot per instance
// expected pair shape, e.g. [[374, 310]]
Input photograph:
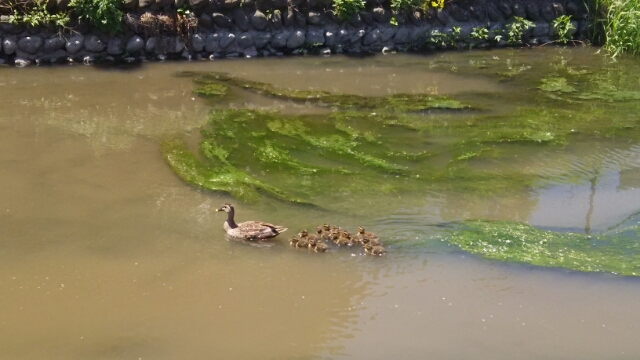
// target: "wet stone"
[[458, 14], [493, 13], [261, 39], [75, 44], [51, 45], [280, 39], [519, 10], [442, 16], [505, 8], [134, 44], [402, 36], [296, 39], [240, 19], [372, 37], [115, 47], [381, 15], [245, 40], [314, 18], [315, 37], [357, 35], [9, 46], [259, 20], [329, 38], [93, 43], [533, 12], [387, 33], [30, 44], [547, 13], [221, 20], [226, 40], [276, 20], [197, 42]]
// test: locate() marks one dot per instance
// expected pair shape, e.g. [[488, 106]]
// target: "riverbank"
[[201, 29]]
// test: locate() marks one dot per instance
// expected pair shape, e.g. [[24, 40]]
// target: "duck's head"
[[319, 230], [360, 230], [303, 233], [226, 208], [368, 247], [326, 227]]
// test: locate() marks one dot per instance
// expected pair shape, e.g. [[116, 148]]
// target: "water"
[[106, 254]]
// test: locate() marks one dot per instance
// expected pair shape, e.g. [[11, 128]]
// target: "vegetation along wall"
[[132, 30]]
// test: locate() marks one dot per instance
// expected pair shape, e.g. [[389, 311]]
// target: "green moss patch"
[[617, 253]]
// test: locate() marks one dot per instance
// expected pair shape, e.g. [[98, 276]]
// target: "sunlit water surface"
[[106, 254]]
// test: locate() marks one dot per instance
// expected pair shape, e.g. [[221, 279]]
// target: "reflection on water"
[[106, 254]]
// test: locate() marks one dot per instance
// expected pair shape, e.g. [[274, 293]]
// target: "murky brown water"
[[106, 254]]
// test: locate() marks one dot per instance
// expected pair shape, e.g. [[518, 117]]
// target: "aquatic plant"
[[617, 252], [616, 25], [516, 29], [211, 90], [563, 28]]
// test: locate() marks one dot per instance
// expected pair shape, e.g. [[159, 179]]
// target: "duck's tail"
[[280, 229]]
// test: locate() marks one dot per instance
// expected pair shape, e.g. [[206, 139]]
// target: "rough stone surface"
[[221, 20], [241, 19], [53, 44], [227, 40], [115, 47], [75, 44], [151, 45], [381, 15], [533, 12], [314, 18], [276, 20], [134, 44], [458, 14], [315, 37], [493, 13], [280, 39], [197, 42], [250, 52], [259, 20], [261, 39], [371, 37], [295, 39], [93, 44], [30, 44], [212, 43], [146, 3], [329, 38], [402, 36], [196, 4], [245, 40], [9, 46]]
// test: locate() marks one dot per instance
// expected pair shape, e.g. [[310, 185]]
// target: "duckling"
[[320, 233], [304, 234], [249, 230], [374, 250], [293, 241], [317, 246], [342, 240], [302, 243], [362, 234], [374, 242]]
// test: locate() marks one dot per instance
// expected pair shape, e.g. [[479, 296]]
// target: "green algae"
[[211, 90], [396, 102], [617, 252], [556, 84]]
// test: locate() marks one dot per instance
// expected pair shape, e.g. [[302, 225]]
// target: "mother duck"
[[249, 230]]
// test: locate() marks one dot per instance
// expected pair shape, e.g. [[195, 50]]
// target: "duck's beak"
[[218, 209]]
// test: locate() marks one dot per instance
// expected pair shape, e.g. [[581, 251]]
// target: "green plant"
[[455, 32], [622, 26], [480, 33], [517, 28], [35, 14], [103, 14], [404, 6], [344, 9], [563, 28]]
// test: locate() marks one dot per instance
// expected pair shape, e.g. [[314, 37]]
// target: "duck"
[[249, 230], [374, 250], [373, 241], [365, 234], [343, 240], [293, 241], [302, 243], [304, 234], [324, 231]]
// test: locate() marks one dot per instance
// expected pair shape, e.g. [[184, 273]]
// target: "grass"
[[616, 25]]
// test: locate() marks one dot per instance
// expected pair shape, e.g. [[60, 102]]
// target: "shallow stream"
[[111, 249]]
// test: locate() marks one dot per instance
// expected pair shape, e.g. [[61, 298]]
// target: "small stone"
[[129, 59], [329, 38], [314, 18], [357, 35]]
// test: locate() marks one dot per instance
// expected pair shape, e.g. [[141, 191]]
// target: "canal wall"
[[197, 29]]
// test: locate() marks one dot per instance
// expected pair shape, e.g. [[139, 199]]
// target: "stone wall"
[[196, 29]]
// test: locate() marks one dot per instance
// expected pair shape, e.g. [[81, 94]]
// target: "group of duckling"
[[326, 234]]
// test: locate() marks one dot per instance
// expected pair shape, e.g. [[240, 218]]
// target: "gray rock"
[[53, 44], [221, 20], [478, 13], [245, 40], [442, 16], [178, 3], [299, 19], [212, 43], [280, 39], [418, 34], [261, 39], [134, 44], [381, 15], [7, 27], [519, 10], [541, 29], [493, 13], [329, 38], [355, 20], [533, 12], [315, 37], [547, 13], [20, 62], [250, 52], [146, 3], [226, 40], [288, 20], [402, 36], [386, 33], [197, 42], [240, 19], [315, 18], [276, 20], [205, 21], [177, 45], [232, 55], [572, 9], [75, 44], [259, 20], [558, 9], [367, 18], [115, 47], [280, 4], [343, 36], [196, 4], [9, 46], [458, 14], [151, 45], [295, 39], [505, 8], [130, 4], [93, 43], [371, 37], [30, 44], [357, 35], [230, 4]]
